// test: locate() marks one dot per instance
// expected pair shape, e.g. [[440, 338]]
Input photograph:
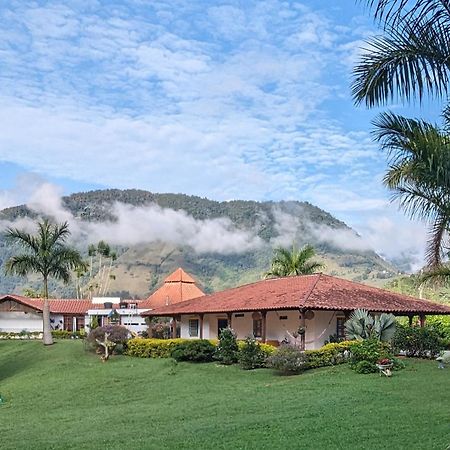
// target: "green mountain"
[[142, 265]]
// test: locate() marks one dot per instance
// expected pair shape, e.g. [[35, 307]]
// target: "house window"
[[257, 328], [340, 329], [193, 327]]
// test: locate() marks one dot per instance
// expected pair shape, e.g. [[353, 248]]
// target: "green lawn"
[[62, 397]]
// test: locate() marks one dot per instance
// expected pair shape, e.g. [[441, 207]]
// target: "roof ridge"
[[313, 286]]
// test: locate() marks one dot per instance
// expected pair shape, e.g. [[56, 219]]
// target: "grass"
[[62, 397]]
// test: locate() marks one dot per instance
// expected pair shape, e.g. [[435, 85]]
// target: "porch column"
[[230, 320], [200, 324], [174, 327], [303, 325], [422, 320], [263, 326], [410, 320]]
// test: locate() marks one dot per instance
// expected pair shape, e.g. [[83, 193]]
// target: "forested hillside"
[[141, 266]]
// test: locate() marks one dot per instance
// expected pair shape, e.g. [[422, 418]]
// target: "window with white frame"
[[193, 327]]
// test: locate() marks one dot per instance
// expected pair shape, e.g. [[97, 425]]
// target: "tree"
[[286, 263], [45, 253], [410, 61], [419, 174]]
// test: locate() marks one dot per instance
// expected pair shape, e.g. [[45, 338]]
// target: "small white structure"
[[105, 310]]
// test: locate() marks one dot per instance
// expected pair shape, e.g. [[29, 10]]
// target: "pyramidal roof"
[[179, 276], [178, 287]]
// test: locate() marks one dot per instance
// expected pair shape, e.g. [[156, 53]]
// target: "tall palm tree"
[[419, 174], [286, 263], [45, 253], [411, 59]]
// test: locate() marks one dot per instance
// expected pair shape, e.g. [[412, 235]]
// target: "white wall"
[[16, 321], [318, 329]]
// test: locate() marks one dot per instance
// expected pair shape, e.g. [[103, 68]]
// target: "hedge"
[[57, 334], [152, 348], [162, 348], [330, 354]]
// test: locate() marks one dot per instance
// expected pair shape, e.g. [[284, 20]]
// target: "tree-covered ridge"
[[140, 269]]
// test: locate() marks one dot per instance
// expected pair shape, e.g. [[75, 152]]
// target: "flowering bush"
[[420, 342], [251, 355], [227, 349], [370, 351], [384, 361], [117, 334], [288, 360]]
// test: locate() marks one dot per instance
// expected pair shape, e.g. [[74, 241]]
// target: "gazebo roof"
[[178, 287]]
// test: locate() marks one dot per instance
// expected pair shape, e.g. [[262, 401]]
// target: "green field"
[[62, 397]]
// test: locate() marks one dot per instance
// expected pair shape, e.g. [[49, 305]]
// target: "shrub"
[[364, 367], [288, 360], [196, 350], [369, 351], [251, 355], [330, 354], [227, 349], [421, 342], [64, 334], [362, 325], [152, 348], [159, 328], [117, 334]]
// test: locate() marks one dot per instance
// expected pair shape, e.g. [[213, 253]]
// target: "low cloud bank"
[[151, 223]]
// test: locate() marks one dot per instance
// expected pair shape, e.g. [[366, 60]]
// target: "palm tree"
[[286, 263], [45, 253], [419, 174], [411, 59]]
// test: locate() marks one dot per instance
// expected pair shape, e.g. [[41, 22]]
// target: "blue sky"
[[235, 99]]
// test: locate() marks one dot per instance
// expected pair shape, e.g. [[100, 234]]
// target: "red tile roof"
[[65, 305], [179, 276], [57, 306], [309, 291], [178, 287]]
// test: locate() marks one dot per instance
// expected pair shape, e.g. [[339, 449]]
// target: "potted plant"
[[385, 365]]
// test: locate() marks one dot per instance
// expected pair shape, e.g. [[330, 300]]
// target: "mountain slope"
[[209, 228]]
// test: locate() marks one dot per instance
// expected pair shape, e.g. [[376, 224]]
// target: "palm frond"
[[392, 12], [408, 62], [22, 265], [437, 275]]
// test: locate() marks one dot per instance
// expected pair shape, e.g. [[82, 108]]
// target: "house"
[[18, 313], [274, 310]]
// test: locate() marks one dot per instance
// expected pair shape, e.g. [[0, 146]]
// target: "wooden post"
[[230, 320], [200, 324], [303, 325], [422, 320], [174, 327], [410, 319], [263, 326]]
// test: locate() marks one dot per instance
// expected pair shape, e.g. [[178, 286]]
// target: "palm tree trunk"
[[47, 332]]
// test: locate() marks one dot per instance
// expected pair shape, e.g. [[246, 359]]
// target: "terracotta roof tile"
[[309, 291], [179, 276], [57, 306], [178, 287]]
